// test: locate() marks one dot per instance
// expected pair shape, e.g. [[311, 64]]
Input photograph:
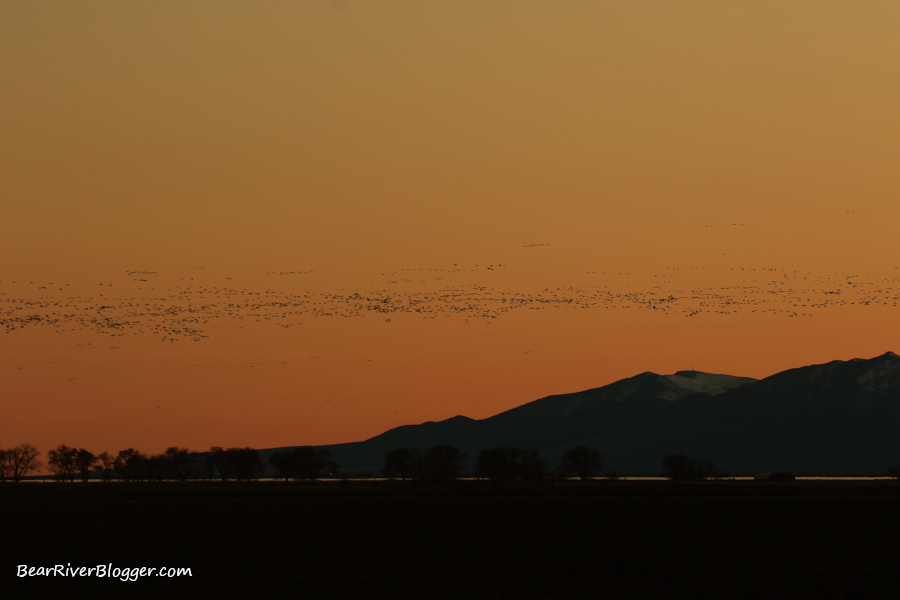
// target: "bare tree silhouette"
[[497, 464], [155, 467], [400, 462], [180, 462], [217, 459], [582, 461], [285, 463], [128, 464], [244, 463], [106, 463], [441, 464], [23, 460], [84, 463], [303, 462], [61, 461], [679, 467]]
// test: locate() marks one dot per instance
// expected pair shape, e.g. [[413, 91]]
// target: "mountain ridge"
[[837, 417]]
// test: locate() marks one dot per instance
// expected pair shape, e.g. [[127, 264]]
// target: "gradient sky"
[[738, 157]]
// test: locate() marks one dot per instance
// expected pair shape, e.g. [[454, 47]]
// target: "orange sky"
[[654, 149]]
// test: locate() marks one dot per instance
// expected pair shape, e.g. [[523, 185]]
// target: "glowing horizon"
[[526, 199]]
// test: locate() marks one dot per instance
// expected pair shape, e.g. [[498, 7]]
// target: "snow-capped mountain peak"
[[694, 382]]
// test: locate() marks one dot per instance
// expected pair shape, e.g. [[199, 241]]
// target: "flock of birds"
[[188, 309]]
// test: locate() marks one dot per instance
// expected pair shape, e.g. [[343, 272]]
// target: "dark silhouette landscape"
[[520, 528], [412, 300], [838, 418]]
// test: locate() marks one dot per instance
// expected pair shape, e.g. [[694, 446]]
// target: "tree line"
[[438, 464], [443, 463], [67, 463]]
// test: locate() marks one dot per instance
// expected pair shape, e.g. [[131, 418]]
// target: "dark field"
[[467, 540]]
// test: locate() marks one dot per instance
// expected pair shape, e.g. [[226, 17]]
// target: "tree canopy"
[[582, 461], [504, 464], [679, 467]]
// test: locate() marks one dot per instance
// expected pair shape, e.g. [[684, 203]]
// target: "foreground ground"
[[626, 539]]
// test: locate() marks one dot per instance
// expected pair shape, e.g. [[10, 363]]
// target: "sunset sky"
[[527, 198]]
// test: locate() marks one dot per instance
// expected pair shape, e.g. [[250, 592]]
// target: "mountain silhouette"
[[841, 417]]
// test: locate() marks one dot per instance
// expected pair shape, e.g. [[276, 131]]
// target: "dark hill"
[[841, 417]]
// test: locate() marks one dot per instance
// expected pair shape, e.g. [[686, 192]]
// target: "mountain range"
[[837, 418]]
